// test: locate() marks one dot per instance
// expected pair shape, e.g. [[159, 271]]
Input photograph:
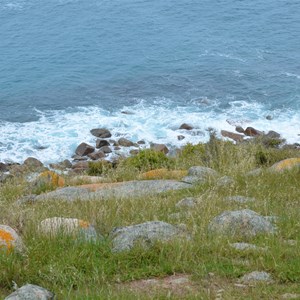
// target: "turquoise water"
[[203, 62]]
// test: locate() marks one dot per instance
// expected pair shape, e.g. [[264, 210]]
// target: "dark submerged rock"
[[186, 126], [101, 143]]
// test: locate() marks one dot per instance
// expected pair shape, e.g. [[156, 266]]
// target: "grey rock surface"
[[199, 174], [31, 292], [256, 276], [124, 238], [244, 223], [240, 199], [225, 181], [127, 189], [246, 246], [188, 202]]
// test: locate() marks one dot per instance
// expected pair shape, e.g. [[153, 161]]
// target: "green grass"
[[76, 270]]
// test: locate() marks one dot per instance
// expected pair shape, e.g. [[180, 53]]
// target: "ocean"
[[67, 66]]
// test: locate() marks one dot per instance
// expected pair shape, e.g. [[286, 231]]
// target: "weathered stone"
[[160, 148], [79, 158], [247, 246], [288, 296], [199, 174], [163, 174], [101, 133], [141, 142], [100, 143], [49, 178], [28, 199], [5, 177], [68, 226], [250, 131], [84, 149], [117, 148], [124, 238], [234, 136], [188, 202], [239, 129], [3, 167], [225, 181], [256, 276], [255, 172], [106, 149], [125, 142], [272, 135], [180, 137], [96, 155], [240, 199], [66, 164], [82, 165], [33, 163], [286, 164], [134, 151], [244, 223], [31, 292], [186, 126], [10, 240]]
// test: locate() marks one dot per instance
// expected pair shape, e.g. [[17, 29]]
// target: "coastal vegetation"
[[202, 266]]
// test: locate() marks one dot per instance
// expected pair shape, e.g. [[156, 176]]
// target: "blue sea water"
[[67, 66]]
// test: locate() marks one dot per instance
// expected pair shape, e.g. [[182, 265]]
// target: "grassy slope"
[[83, 271]]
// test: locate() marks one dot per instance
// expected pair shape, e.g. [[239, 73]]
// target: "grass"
[[76, 270]]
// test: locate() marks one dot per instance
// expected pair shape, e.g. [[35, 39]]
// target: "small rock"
[[240, 199], [84, 149], [199, 174], [186, 126], [250, 131], [124, 238], [33, 163], [31, 292], [117, 148], [134, 151], [26, 199], [225, 181], [100, 143], [244, 223], [65, 164], [256, 276], [81, 165], [125, 142], [239, 129], [255, 172], [286, 164], [246, 246], [3, 167], [187, 203], [269, 117], [272, 135], [234, 136], [288, 296], [68, 226], [160, 148], [180, 137], [79, 158], [10, 240], [5, 177], [105, 149], [101, 133], [96, 155], [141, 142]]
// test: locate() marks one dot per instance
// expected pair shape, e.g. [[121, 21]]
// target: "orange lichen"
[[287, 164], [52, 178], [7, 238], [164, 174], [84, 224]]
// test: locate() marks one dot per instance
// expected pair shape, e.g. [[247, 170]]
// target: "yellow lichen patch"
[[286, 164], [51, 178], [84, 224], [7, 238], [164, 174]]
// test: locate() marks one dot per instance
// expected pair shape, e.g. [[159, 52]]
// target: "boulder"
[[188, 202], [49, 178], [124, 238], [68, 226], [100, 143], [105, 149], [33, 163], [125, 142], [234, 136], [186, 126], [250, 131], [286, 164], [101, 133], [31, 292], [180, 137], [81, 166], [199, 174], [242, 223], [256, 276], [10, 240], [225, 181], [159, 148], [272, 135], [96, 155], [84, 149], [66, 164], [239, 129]]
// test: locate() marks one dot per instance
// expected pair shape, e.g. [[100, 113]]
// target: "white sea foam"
[[56, 134], [292, 75]]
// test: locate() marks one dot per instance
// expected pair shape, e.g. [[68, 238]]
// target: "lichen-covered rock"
[[286, 164], [124, 238], [240, 199], [31, 292], [244, 223], [163, 173], [256, 276], [69, 226], [10, 240], [49, 178], [188, 202], [225, 181], [199, 174]]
